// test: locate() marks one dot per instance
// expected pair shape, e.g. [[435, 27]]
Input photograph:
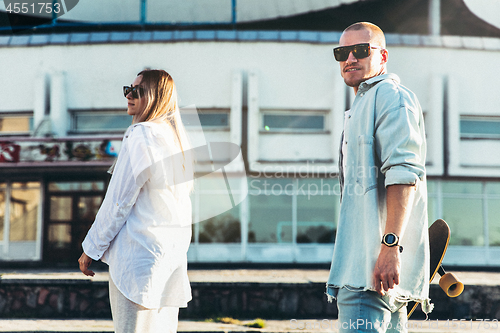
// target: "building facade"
[[276, 94]]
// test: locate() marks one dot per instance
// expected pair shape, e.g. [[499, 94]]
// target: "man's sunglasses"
[[359, 51], [136, 91]]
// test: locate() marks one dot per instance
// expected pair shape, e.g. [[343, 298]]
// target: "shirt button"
[[362, 94]]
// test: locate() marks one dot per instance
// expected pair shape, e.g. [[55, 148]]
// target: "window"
[[471, 208], [16, 123], [281, 121], [209, 119], [479, 127], [276, 205], [20, 220], [100, 121]]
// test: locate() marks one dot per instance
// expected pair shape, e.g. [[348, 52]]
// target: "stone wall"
[[84, 299]]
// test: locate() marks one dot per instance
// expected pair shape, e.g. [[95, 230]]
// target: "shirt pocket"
[[366, 169]]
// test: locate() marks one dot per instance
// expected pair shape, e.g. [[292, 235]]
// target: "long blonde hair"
[[162, 106]]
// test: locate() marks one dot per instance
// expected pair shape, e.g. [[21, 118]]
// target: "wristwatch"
[[391, 240]]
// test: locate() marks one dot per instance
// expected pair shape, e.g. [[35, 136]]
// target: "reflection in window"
[[223, 228], [294, 122], [100, 121], [477, 127], [61, 208], [465, 218], [315, 215], [19, 223], [461, 187], [24, 203], [60, 236], [207, 119], [270, 207], [76, 186]]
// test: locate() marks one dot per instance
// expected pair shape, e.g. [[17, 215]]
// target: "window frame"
[[75, 112], [19, 114], [204, 111], [302, 112], [478, 136]]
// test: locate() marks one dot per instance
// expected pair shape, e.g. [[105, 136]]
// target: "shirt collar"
[[366, 85]]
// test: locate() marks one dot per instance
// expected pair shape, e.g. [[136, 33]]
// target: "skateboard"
[[439, 237]]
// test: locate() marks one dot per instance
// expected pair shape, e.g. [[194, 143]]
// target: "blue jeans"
[[367, 311]]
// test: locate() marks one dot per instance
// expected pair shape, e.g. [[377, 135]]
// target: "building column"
[[58, 107]]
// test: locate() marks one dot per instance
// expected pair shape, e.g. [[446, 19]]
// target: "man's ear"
[[385, 56]]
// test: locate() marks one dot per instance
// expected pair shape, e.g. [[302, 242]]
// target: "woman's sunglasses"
[[359, 51], [136, 91]]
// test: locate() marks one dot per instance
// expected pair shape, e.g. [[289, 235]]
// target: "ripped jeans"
[[367, 311]]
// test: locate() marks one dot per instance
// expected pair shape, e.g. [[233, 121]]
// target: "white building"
[[277, 94]]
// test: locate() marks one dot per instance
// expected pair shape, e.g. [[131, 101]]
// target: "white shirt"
[[143, 227]]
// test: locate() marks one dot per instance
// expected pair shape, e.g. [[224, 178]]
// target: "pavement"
[[271, 326], [234, 276], [231, 276]]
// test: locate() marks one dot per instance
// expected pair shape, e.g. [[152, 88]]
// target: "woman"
[[143, 227]]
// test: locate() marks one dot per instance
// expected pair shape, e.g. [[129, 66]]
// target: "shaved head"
[[354, 70], [376, 34]]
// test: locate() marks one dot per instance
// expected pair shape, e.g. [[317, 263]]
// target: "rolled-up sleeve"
[[400, 145]]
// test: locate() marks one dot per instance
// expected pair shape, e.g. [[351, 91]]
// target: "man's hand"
[[85, 262], [387, 269]]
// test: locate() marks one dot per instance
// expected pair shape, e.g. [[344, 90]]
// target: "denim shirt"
[[384, 145]]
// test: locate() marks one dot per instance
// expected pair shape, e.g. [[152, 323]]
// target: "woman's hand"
[[85, 262]]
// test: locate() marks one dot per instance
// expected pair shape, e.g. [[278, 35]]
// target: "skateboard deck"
[[439, 237]]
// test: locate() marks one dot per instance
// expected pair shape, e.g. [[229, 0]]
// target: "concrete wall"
[[450, 81]]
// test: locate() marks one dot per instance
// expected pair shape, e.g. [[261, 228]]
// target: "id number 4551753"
[[472, 324], [33, 8]]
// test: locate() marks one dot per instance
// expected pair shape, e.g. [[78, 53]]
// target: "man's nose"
[[351, 57]]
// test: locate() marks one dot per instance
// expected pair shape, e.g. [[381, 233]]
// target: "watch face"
[[390, 239]]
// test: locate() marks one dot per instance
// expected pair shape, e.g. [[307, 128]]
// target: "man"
[[381, 255]]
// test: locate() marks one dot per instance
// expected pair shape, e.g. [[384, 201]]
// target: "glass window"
[[493, 188], [100, 121], [480, 127], [223, 228], [287, 122], [465, 218], [24, 202], [16, 123], [88, 207], [494, 221], [2, 210], [207, 119], [59, 236], [270, 210], [461, 187], [317, 210], [61, 208], [76, 186]]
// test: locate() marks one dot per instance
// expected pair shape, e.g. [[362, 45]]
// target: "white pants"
[[130, 317]]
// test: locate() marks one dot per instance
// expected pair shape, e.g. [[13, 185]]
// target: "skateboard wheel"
[[451, 285]]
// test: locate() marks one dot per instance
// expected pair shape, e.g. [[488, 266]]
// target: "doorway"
[[71, 208]]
